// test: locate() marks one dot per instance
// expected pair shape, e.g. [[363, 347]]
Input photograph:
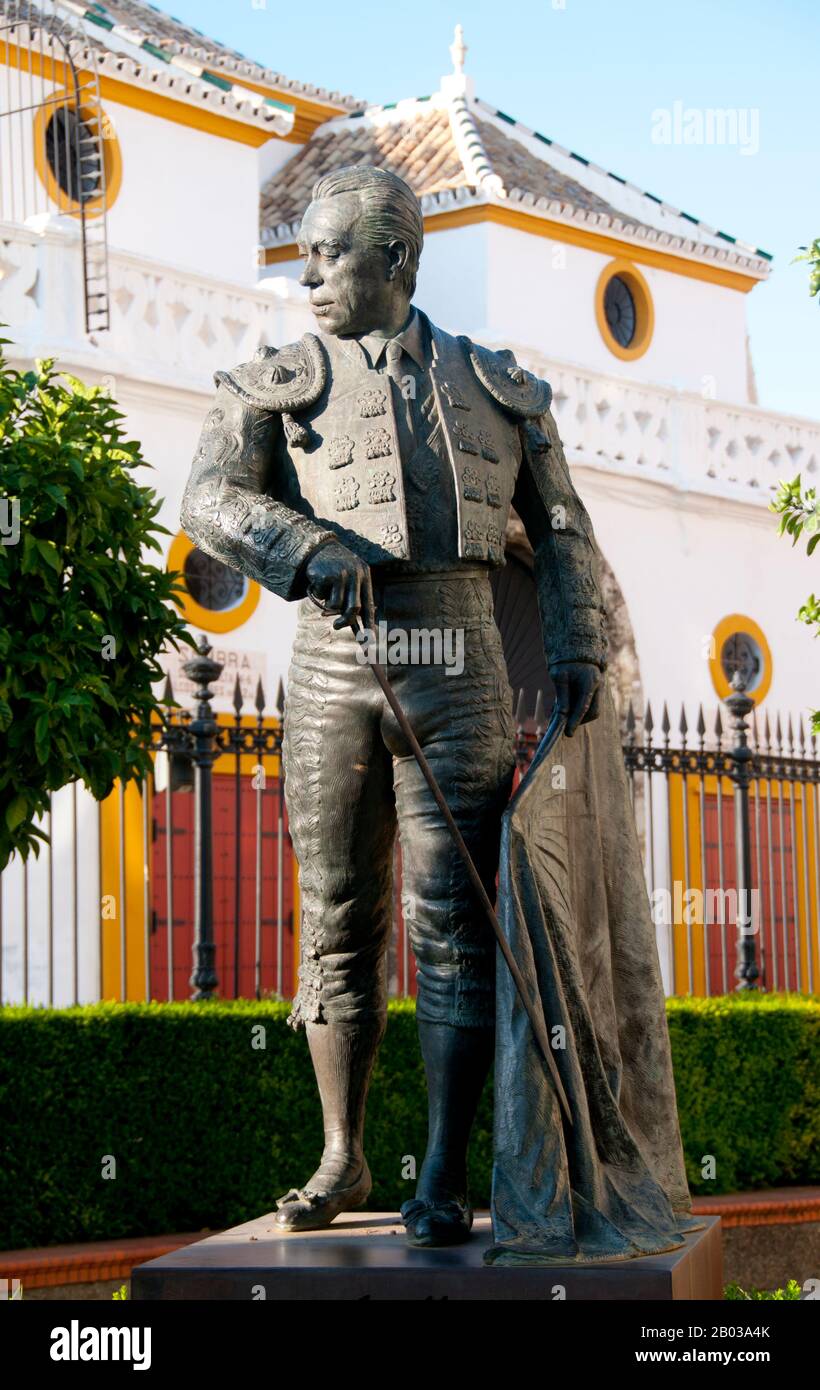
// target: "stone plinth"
[[365, 1255]]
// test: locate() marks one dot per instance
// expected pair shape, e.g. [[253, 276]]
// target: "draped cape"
[[572, 902]]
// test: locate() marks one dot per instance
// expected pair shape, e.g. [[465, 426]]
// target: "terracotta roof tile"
[[172, 36], [419, 150], [520, 169], [447, 144]]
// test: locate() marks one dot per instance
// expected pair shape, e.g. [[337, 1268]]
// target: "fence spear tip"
[[521, 709], [260, 697], [237, 696], [539, 716]]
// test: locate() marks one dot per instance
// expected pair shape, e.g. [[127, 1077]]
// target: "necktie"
[[393, 354], [403, 381]]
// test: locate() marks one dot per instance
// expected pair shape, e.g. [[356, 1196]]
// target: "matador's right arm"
[[229, 508]]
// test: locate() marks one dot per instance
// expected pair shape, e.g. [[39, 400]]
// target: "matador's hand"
[[576, 692], [339, 582]]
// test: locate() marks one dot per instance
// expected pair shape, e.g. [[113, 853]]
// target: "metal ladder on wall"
[[52, 135]]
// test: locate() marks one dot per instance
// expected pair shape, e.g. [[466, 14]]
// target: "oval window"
[[73, 155], [738, 645], [211, 584], [619, 308], [623, 309]]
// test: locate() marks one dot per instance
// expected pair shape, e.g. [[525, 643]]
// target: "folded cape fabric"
[[573, 903]]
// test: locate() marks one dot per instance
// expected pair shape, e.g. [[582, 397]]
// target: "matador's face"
[[353, 286]]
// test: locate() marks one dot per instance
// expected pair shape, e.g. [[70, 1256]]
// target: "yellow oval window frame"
[[226, 620], [111, 152], [644, 310], [740, 622]]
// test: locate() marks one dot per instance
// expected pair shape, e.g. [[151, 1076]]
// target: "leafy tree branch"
[[84, 614]]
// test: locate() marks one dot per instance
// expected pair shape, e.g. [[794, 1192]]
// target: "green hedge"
[[207, 1130], [747, 1076]]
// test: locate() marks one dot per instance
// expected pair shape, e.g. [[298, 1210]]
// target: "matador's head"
[[361, 238]]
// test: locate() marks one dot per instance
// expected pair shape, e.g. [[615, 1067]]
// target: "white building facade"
[[632, 310]]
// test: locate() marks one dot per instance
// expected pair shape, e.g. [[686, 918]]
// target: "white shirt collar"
[[411, 340]]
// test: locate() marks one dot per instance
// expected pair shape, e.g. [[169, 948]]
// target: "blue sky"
[[590, 74]]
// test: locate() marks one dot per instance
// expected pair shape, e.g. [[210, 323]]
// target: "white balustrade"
[[173, 327], [679, 438]]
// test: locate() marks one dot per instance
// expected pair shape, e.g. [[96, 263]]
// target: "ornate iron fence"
[[198, 885], [739, 825], [730, 832]]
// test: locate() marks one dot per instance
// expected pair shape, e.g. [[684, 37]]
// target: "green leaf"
[[50, 554], [81, 573], [16, 812]]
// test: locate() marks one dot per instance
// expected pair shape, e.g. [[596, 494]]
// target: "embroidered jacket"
[[301, 447]]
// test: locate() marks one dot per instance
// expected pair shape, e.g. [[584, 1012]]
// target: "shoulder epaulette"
[[282, 379], [516, 389]]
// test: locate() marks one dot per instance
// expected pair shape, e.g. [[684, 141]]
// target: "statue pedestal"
[[365, 1255]]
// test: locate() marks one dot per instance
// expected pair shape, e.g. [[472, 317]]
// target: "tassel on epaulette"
[[297, 434], [538, 441]]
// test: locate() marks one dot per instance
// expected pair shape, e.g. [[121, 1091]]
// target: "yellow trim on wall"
[[573, 236], [275, 255], [110, 933], [804, 807], [308, 115], [134, 906], [679, 929], [226, 620], [181, 113], [111, 153], [644, 309], [804, 926], [739, 622], [169, 108]]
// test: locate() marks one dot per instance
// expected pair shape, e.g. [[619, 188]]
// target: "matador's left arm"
[[573, 617]]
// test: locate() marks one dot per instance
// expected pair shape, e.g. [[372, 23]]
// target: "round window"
[[77, 154], [211, 584], [740, 652], [620, 312], [738, 645], [73, 155], [623, 309], [211, 596]]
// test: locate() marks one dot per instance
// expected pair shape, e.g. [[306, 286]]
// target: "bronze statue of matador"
[[370, 468]]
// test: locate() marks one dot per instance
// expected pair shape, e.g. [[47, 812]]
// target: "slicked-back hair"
[[389, 210]]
